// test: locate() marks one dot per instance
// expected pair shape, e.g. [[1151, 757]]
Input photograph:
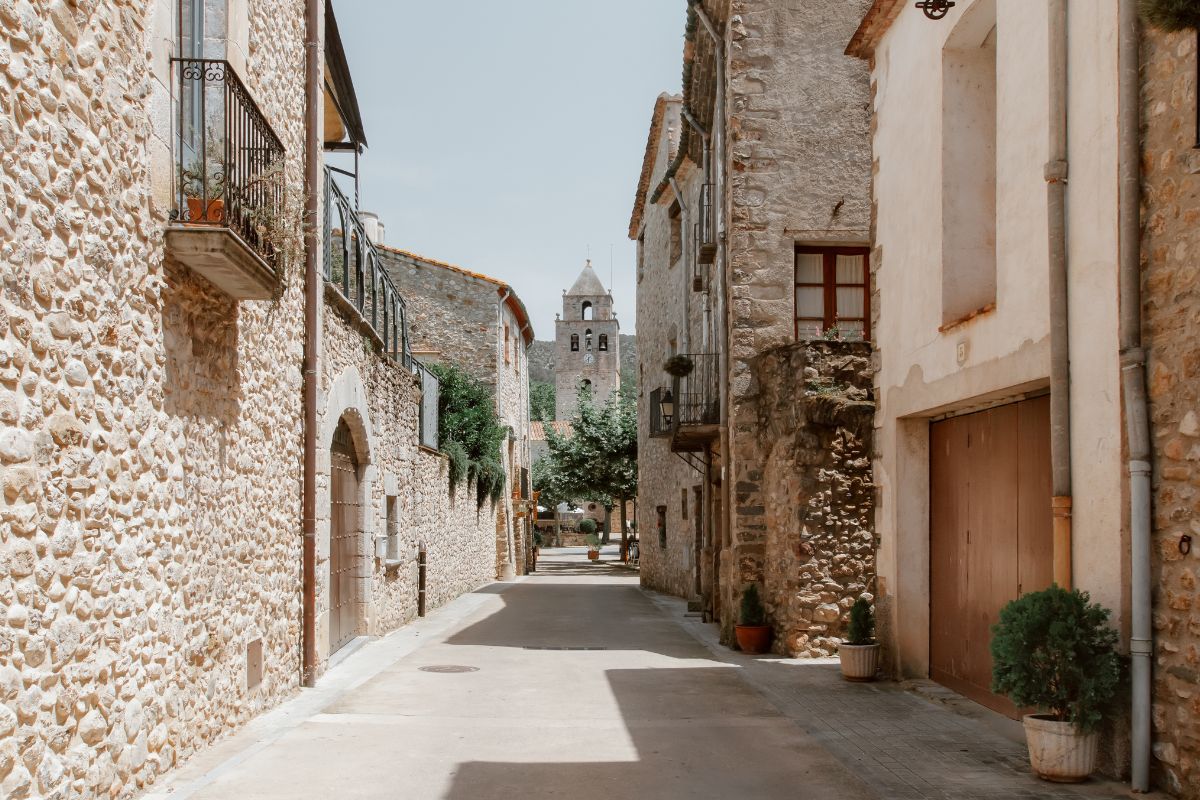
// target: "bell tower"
[[587, 349]]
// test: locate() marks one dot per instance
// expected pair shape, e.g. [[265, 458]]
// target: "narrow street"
[[573, 683]]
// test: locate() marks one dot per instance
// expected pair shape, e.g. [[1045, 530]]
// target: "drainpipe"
[[508, 571], [1133, 377], [685, 335], [1060, 342], [312, 297]]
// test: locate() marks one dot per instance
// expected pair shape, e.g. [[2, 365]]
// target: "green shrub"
[[587, 525], [489, 482], [593, 541], [752, 612], [469, 427], [1171, 15], [460, 462], [1053, 650], [862, 623]]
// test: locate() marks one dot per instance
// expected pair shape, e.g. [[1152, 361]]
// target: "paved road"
[[582, 688]]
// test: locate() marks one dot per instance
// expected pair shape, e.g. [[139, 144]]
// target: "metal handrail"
[[355, 269], [228, 160], [697, 395]]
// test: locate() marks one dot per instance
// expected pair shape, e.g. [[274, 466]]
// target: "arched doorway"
[[345, 523]]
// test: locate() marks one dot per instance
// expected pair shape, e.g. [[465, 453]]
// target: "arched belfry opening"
[[345, 533], [586, 309]]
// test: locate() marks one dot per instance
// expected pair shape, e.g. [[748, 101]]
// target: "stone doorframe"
[[346, 400]]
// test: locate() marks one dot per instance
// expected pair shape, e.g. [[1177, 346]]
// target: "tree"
[[541, 401], [552, 489], [469, 429], [599, 458]]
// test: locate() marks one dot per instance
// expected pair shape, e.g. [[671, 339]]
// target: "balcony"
[[706, 252], [355, 277], [689, 412], [229, 182]]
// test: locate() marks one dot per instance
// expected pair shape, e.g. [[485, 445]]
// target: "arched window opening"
[[585, 387], [587, 310], [587, 338], [574, 342], [603, 342]]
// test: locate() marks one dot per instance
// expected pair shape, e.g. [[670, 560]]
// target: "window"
[[661, 525], [833, 287], [603, 342], [587, 339], [641, 255], [585, 388], [676, 235], [574, 342], [683, 504], [969, 93], [392, 527], [587, 310], [507, 358]]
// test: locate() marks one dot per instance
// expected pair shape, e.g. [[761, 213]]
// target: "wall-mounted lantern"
[[936, 9], [667, 406]]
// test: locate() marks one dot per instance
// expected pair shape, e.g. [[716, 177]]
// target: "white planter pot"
[[1057, 751], [860, 662]]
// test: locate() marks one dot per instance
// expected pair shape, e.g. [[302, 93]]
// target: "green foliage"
[[593, 541], [1171, 15], [679, 366], [1053, 650], [862, 623], [752, 611], [598, 461], [468, 422], [541, 401], [587, 525], [548, 483]]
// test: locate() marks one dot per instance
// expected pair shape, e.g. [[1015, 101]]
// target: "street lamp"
[[667, 406], [936, 9]]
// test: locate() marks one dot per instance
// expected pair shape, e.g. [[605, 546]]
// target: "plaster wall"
[[929, 367]]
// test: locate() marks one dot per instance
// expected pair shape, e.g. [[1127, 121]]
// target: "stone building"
[[752, 222], [1171, 295], [587, 345], [480, 324], [152, 332]]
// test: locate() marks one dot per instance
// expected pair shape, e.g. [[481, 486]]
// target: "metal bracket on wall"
[[936, 9], [693, 461]]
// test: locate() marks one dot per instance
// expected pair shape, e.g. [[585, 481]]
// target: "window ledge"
[[392, 565], [963, 320]]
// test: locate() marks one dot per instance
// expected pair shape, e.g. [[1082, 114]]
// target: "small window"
[[392, 527], [587, 339], [587, 310], [507, 346], [574, 342], [683, 502], [603, 342], [641, 256], [585, 388], [676, 235], [833, 290], [661, 514]]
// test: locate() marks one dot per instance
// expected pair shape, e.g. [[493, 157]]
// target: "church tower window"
[[603, 342], [574, 342]]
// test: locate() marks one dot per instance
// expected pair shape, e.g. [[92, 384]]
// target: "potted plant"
[[1171, 15], [205, 195], [752, 631], [1054, 651], [859, 654], [679, 366], [588, 528]]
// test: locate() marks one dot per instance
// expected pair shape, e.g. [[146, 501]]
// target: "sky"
[[507, 137]]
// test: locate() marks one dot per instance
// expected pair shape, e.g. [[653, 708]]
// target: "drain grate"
[[530, 647], [448, 668]]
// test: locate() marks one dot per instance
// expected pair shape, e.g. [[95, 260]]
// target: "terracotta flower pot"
[[593, 555], [215, 212], [860, 662], [753, 639], [1058, 751]]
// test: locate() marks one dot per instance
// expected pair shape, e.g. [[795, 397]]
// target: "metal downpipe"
[[312, 299], [685, 334], [1133, 379], [1060, 337]]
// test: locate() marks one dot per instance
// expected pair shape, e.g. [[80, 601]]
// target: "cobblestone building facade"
[[755, 191], [150, 404], [1171, 294]]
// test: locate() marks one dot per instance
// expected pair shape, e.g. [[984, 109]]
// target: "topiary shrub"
[[1171, 15], [593, 541], [587, 526], [752, 613], [862, 623], [1053, 650]]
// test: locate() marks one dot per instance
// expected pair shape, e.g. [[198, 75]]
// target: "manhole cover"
[[445, 668]]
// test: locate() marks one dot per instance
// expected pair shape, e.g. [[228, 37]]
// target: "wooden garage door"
[[990, 535], [343, 539]]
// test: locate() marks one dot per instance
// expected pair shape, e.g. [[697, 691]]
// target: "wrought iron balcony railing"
[[698, 394], [707, 250], [354, 268], [229, 164]]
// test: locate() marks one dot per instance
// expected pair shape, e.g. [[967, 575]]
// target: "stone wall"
[[1171, 285], [149, 426], [814, 429], [787, 74]]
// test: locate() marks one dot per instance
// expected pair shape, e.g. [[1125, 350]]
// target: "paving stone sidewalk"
[[903, 745]]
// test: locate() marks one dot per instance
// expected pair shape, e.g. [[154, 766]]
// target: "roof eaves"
[[874, 25]]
